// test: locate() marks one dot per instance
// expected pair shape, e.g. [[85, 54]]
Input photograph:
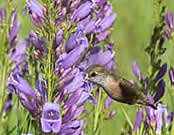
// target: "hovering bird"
[[116, 87]]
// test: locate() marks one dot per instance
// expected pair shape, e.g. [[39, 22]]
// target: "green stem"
[[49, 68], [127, 118], [97, 111]]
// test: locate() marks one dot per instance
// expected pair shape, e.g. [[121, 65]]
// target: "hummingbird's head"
[[96, 74]]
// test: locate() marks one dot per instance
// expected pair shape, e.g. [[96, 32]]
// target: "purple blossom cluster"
[[74, 31], [154, 118]]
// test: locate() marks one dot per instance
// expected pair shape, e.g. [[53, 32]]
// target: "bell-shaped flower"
[[51, 118], [21, 85]]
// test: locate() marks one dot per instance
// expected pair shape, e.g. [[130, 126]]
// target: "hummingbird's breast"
[[119, 92], [112, 87]]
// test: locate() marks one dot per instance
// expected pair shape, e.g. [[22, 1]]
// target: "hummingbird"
[[117, 87]]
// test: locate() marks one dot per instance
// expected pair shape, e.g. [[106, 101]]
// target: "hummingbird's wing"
[[131, 92], [134, 94]]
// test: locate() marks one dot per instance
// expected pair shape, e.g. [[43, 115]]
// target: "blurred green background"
[[131, 33]]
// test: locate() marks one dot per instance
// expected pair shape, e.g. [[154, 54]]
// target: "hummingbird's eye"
[[93, 74]]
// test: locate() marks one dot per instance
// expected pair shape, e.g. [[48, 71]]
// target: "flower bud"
[[171, 75], [167, 34], [169, 19]]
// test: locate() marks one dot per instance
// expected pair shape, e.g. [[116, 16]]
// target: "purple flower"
[[74, 4], [7, 105], [100, 2], [91, 26], [59, 38], [73, 57], [62, 95], [86, 94], [169, 19], [161, 110], [161, 73], [19, 56], [156, 117], [150, 111], [62, 15], [111, 115], [167, 33], [14, 31], [13, 17], [76, 39], [106, 10], [51, 118], [73, 99], [160, 90], [171, 75], [72, 113], [3, 15], [35, 12], [35, 7], [105, 23], [30, 106], [38, 42], [83, 23], [75, 84], [40, 87], [108, 102], [102, 36], [72, 128], [84, 10], [146, 80], [136, 70], [139, 119], [21, 85], [96, 56], [69, 75]]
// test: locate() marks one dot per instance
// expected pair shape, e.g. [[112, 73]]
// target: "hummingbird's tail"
[[153, 106], [148, 103]]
